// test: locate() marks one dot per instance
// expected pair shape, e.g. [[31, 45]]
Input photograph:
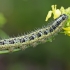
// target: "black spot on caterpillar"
[[35, 37]]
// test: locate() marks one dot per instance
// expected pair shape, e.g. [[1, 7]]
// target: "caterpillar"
[[35, 37]]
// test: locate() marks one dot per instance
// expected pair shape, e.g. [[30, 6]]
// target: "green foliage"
[[2, 20]]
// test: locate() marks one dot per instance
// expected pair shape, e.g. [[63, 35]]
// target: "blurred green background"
[[22, 16]]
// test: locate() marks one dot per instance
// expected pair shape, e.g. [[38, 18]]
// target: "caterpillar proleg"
[[35, 37]]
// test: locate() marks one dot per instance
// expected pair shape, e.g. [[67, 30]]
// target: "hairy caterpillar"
[[35, 37]]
